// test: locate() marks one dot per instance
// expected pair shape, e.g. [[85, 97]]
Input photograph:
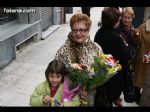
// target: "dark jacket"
[[112, 43]]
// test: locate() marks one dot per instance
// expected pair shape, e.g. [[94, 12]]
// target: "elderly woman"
[[78, 48], [131, 35], [127, 30], [112, 43]]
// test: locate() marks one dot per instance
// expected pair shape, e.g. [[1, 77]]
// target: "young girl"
[[54, 91]]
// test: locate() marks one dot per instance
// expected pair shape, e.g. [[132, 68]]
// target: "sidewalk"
[[19, 78]]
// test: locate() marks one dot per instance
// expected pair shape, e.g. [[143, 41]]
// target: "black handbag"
[[128, 89]]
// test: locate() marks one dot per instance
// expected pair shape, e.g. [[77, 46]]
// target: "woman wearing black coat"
[[112, 43]]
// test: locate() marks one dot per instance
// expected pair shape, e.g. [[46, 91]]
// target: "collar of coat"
[[148, 25]]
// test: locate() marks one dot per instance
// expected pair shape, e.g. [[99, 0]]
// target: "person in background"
[[86, 10], [111, 42], [127, 30], [79, 49], [131, 36], [119, 8], [142, 64], [50, 92]]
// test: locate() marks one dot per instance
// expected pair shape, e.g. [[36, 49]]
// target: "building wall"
[[46, 16], [26, 26]]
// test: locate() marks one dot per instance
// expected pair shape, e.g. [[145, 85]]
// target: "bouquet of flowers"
[[104, 67]]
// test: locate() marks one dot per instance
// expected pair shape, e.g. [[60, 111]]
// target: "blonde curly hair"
[[128, 10]]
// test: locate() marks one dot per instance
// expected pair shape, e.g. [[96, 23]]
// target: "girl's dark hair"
[[110, 17], [56, 66]]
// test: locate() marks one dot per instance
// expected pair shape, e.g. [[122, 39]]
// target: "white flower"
[[65, 100]]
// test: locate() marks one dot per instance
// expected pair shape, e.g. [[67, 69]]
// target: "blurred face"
[[80, 32], [127, 19], [117, 24], [55, 79]]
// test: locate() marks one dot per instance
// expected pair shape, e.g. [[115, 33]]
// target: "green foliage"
[[94, 82], [99, 67], [77, 76]]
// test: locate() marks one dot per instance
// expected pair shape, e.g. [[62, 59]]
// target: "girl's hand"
[[46, 99]]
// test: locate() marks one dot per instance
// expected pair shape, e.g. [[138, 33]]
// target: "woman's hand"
[[76, 66], [137, 31], [136, 36], [83, 66], [79, 66], [83, 93]]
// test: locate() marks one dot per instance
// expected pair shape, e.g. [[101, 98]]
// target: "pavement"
[[22, 75]]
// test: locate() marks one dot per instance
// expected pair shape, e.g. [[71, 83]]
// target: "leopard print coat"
[[72, 52]]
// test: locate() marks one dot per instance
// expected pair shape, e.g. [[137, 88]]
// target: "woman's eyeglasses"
[[80, 30]]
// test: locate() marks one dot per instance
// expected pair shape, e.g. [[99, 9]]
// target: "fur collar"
[[148, 25]]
